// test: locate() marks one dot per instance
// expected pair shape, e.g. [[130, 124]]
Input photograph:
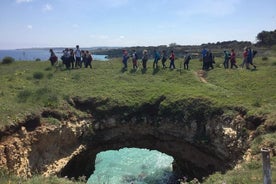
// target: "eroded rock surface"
[[200, 137]]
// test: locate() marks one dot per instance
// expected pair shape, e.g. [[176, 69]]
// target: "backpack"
[[254, 53]]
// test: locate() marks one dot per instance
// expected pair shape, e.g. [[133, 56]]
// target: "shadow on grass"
[[123, 70], [155, 71], [144, 70]]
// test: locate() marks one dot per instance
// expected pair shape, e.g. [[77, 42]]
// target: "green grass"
[[28, 87], [6, 178], [247, 173]]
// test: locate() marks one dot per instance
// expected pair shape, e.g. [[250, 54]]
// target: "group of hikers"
[[73, 58], [207, 58], [156, 57], [248, 55], [76, 58]]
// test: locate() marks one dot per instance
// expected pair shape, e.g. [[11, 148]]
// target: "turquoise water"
[[132, 166]]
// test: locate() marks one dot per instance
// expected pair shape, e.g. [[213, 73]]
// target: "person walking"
[[245, 54], [204, 54], [72, 58], [53, 58], [89, 59], [250, 58], [145, 59], [172, 58], [187, 61], [233, 59], [134, 60], [156, 59], [226, 59], [164, 58], [78, 57], [124, 59]]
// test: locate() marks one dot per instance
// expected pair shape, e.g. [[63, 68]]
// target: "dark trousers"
[[226, 63], [172, 66], [144, 64], [186, 65]]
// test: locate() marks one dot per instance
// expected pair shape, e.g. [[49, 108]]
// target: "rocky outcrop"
[[45, 149], [199, 136]]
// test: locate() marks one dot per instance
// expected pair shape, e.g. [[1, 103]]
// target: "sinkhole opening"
[[132, 165]]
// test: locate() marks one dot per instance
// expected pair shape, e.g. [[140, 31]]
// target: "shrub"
[[51, 100], [24, 95], [7, 60], [50, 75], [265, 58], [48, 68], [38, 75]]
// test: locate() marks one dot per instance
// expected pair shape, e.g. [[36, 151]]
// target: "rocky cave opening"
[[198, 135]]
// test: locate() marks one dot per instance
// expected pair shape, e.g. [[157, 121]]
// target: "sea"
[[132, 166], [39, 54]]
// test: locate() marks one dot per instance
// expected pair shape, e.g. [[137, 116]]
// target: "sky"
[[92, 23]]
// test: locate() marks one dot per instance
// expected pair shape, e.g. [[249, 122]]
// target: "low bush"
[[38, 75], [7, 60], [24, 95], [265, 58]]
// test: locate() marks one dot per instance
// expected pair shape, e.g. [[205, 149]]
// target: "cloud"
[[29, 27], [23, 1], [47, 7]]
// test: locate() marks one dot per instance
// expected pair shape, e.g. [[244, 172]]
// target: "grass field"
[[28, 87]]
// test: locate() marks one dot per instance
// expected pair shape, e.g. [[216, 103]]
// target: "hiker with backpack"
[[156, 59], [65, 58], [233, 59], [164, 58], [187, 61], [53, 58], [226, 59], [250, 56], [172, 58]]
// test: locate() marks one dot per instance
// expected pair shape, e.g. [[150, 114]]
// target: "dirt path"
[[201, 74]]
